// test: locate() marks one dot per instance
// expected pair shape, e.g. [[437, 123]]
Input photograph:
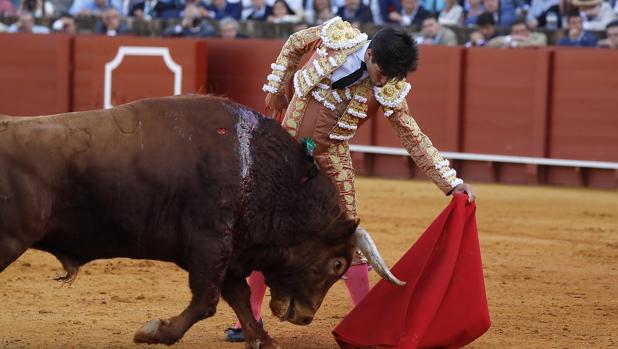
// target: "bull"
[[199, 181]]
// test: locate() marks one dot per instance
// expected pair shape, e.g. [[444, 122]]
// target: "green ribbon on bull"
[[309, 144]]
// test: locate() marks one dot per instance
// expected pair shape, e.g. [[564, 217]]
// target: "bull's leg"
[[206, 273], [235, 291], [10, 249]]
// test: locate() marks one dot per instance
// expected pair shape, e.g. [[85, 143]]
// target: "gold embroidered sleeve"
[[291, 54], [424, 154]]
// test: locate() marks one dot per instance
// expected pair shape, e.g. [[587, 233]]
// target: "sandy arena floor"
[[550, 257]]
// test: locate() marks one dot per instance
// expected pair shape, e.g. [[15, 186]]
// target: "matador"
[[342, 85]]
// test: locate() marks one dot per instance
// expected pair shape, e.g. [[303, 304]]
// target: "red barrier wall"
[[584, 115], [238, 69], [505, 109], [34, 74], [554, 102], [137, 76]]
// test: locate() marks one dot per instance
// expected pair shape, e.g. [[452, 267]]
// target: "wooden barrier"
[[505, 110], [584, 114], [544, 103], [34, 74], [238, 69], [123, 69]]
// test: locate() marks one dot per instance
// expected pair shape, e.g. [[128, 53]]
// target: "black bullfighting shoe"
[[235, 334]]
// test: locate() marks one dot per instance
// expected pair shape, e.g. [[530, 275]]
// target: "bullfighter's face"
[[374, 71]]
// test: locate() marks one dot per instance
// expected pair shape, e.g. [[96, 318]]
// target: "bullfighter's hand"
[[466, 189], [277, 103]]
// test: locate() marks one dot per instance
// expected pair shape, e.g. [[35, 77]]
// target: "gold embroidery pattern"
[[336, 163], [347, 124], [291, 54], [333, 42], [319, 68], [392, 95], [338, 34], [294, 115]]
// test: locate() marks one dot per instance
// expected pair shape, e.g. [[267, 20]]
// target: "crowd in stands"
[[591, 23]]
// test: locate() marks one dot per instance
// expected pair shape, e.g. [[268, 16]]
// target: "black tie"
[[350, 79]]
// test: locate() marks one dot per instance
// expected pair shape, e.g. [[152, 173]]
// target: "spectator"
[[386, 7], [434, 34], [544, 14], [472, 11], [355, 12], [6, 8], [486, 30], [229, 29], [258, 11], [320, 12], [62, 7], [576, 35], [520, 37], [3, 27], [282, 13], [433, 6], [38, 8], [502, 16], [92, 7], [110, 23], [411, 14], [25, 24], [452, 14], [65, 25], [220, 9], [597, 14], [148, 9], [612, 36], [191, 25]]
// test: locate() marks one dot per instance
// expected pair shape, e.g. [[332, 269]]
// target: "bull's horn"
[[365, 243]]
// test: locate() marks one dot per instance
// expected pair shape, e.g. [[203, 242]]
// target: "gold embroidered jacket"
[[333, 42]]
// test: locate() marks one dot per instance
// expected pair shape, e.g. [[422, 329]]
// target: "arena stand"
[[261, 30], [542, 116]]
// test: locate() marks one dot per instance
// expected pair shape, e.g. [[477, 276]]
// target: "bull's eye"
[[337, 266]]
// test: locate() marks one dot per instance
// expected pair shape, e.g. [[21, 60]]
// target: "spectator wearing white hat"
[[596, 14]]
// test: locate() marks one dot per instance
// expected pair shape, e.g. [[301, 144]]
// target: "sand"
[[550, 257]]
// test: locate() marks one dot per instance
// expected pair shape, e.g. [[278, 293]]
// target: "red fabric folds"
[[443, 304]]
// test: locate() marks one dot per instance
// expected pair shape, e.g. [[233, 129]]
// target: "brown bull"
[[198, 181]]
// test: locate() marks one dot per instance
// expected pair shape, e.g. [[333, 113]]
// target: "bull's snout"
[[287, 309], [301, 320]]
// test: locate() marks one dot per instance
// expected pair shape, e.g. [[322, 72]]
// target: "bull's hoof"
[[149, 333], [266, 343]]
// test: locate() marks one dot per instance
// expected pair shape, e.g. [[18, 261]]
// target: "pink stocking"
[[258, 290], [357, 281]]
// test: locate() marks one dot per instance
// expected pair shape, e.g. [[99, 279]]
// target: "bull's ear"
[[311, 170], [311, 166], [352, 224]]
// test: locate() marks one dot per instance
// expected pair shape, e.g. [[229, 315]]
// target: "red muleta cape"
[[443, 304]]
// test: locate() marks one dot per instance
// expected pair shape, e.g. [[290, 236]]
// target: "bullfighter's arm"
[[418, 145], [297, 45]]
